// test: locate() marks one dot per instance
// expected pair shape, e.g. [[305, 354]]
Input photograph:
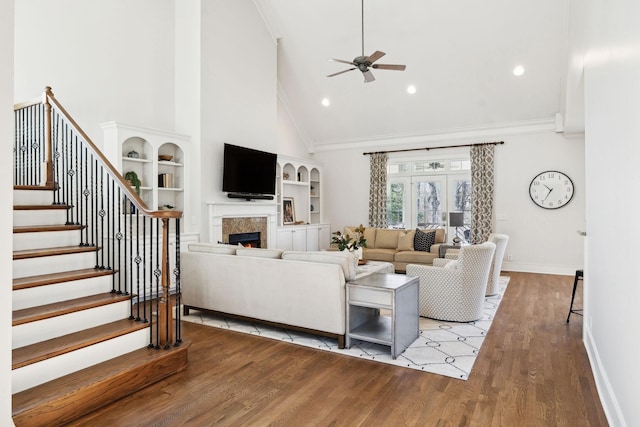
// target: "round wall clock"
[[551, 189]]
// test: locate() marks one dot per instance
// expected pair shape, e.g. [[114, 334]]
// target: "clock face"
[[551, 190]]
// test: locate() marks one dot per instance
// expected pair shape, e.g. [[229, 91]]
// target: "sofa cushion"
[[375, 254], [405, 240], [415, 257], [260, 252], [344, 259], [219, 248], [370, 237], [386, 239], [423, 241]]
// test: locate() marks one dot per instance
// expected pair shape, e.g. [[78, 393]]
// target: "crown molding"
[[270, 22], [452, 134]]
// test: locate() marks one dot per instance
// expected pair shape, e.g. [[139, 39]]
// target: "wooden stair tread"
[[34, 187], [46, 311], [46, 228], [63, 250], [64, 399], [53, 347], [65, 276], [40, 207]]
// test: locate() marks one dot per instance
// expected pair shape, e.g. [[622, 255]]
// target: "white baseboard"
[[563, 270], [607, 396]]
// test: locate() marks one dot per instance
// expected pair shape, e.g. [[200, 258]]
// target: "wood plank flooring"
[[531, 371]]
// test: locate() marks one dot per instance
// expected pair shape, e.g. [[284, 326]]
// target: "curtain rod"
[[433, 148]]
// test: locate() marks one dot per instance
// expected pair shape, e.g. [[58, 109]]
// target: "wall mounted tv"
[[248, 173]]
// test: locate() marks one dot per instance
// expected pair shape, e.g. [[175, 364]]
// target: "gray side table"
[[394, 292]]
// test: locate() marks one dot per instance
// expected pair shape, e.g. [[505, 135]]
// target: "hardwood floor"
[[531, 371]]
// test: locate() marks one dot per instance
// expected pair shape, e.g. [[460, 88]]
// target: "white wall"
[[239, 87], [104, 60], [6, 208], [541, 240], [612, 135]]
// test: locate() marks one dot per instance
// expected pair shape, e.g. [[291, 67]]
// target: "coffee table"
[[396, 293]]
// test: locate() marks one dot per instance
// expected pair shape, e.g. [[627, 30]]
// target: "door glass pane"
[[429, 203], [395, 205]]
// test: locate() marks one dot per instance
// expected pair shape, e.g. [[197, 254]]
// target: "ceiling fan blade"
[[342, 60], [375, 56], [368, 76], [340, 72], [389, 67]]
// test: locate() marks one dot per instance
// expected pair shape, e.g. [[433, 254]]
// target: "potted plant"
[[133, 179], [350, 243]]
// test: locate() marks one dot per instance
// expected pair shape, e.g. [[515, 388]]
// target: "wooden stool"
[[579, 276]]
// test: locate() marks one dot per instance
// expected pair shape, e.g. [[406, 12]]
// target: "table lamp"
[[456, 219]]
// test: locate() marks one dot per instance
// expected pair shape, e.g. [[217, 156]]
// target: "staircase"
[[82, 335]]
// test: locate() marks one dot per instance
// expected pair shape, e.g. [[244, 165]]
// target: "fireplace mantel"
[[220, 210]]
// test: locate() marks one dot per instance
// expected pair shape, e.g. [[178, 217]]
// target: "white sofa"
[[296, 290]]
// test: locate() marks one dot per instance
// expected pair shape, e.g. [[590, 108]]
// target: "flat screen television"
[[248, 173]]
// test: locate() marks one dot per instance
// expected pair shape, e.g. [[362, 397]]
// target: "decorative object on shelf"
[[285, 176], [311, 207], [167, 208], [456, 219], [133, 154], [551, 189], [350, 243], [133, 180], [165, 157], [288, 211]]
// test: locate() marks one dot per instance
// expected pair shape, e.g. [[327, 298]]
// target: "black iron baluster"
[[178, 287]]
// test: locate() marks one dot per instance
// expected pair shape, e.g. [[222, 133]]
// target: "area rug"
[[444, 348]]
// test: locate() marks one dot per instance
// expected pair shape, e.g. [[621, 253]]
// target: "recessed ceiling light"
[[411, 89], [518, 70], [326, 102]]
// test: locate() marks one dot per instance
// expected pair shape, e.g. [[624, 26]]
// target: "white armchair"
[[456, 291], [501, 241]]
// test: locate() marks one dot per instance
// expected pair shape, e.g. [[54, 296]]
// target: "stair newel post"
[[48, 140], [165, 308]]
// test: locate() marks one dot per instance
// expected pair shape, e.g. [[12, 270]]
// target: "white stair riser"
[[47, 370], [32, 197], [39, 217], [41, 295], [53, 264], [45, 329], [47, 239]]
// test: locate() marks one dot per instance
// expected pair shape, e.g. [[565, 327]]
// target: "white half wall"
[[612, 141], [6, 208]]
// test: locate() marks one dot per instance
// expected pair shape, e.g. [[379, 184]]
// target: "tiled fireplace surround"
[[243, 217]]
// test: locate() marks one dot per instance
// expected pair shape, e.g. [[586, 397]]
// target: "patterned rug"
[[444, 348]]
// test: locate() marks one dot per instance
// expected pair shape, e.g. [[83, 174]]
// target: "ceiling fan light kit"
[[363, 63]]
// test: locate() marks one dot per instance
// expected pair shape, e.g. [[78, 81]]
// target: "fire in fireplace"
[[248, 240]]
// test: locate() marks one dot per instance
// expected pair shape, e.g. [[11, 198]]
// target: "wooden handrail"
[[130, 193]]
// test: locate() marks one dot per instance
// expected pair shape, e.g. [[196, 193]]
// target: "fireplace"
[[248, 240], [227, 218]]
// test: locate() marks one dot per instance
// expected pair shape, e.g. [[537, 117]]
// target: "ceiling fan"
[[363, 63]]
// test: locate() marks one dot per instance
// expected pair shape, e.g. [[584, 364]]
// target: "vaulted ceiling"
[[460, 56]]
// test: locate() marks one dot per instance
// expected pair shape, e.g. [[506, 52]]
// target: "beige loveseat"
[[396, 246]]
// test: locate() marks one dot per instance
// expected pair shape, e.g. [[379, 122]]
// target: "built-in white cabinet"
[[312, 237], [298, 184], [299, 202], [158, 158]]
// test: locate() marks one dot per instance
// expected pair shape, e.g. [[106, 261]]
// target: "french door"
[[425, 201]]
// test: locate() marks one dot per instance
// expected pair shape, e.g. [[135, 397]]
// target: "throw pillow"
[[422, 241], [405, 240]]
